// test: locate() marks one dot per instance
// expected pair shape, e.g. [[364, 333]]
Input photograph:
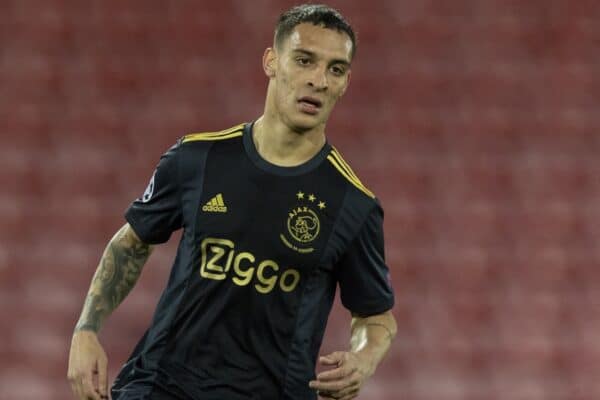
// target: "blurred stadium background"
[[475, 122]]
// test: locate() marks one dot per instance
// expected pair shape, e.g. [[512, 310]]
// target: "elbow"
[[392, 324], [394, 327]]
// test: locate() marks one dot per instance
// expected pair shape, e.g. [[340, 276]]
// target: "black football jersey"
[[263, 249]]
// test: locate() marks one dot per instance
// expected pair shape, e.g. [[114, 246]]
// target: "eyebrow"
[[312, 54]]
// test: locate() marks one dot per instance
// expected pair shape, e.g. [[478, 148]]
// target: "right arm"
[[117, 273]]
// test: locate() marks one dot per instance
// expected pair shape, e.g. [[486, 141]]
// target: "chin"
[[304, 123]]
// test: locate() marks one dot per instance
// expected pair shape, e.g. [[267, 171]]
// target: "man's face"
[[311, 71]]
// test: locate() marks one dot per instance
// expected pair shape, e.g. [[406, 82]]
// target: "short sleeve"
[[363, 276], [156, 214]]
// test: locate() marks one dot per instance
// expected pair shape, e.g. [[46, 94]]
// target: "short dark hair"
[[316, 14]]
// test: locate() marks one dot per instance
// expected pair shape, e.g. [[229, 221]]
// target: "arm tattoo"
[[117, 273], [361, 331], [388, 330]]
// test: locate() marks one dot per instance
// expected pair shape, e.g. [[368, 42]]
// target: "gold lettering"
[[295, 279], [267, 283], [219, 254], [218, 247], [246, 274]]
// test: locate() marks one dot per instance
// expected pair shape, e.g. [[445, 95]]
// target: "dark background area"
[[474, 122]]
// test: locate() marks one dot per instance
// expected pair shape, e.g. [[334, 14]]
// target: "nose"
[[318, 79]]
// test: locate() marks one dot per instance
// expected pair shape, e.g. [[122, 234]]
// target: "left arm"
[[370, 340]]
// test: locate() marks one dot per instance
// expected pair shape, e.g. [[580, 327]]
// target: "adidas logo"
[[216, 204]]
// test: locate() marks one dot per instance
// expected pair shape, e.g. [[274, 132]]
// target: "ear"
[[270, 62]]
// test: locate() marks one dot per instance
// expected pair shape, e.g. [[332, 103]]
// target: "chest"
[[259, 229], [275, 216]]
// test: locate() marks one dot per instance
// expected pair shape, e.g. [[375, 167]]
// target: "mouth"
[[310, 105]]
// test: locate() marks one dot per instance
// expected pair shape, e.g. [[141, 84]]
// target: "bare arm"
[[117, 273], [370, 340], [372, 336]]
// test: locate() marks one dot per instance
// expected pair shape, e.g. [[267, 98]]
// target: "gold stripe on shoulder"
[[226, 134], [344, 164], [350, 178], [199, 137]]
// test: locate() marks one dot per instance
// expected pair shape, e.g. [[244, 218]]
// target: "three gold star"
[[311, 197]]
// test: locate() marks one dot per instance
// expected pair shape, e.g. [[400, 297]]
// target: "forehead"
[[327, 43]]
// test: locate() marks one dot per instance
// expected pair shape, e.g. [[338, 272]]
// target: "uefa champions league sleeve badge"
[[149, 190]]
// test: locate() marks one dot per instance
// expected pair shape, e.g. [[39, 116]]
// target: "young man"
[[274, 219]]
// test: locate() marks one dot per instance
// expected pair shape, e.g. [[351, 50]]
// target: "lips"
[[311, 100], [310, 105]]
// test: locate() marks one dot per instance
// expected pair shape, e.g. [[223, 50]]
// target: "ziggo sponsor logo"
[[218, 256]]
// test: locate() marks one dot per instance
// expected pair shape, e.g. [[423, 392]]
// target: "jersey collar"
[[263, 164]]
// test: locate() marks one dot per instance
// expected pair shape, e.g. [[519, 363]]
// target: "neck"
[[282, 146]]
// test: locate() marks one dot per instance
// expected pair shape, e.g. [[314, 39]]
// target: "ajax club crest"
[[303, 225]]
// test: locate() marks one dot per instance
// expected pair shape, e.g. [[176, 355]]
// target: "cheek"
[[285, 88], [339, 91]]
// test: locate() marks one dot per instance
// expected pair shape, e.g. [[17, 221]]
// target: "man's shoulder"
[[208, 137], [194, 149], [348, 176]]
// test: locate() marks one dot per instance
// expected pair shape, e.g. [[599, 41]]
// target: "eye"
[[337, 70], [302, 60]]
